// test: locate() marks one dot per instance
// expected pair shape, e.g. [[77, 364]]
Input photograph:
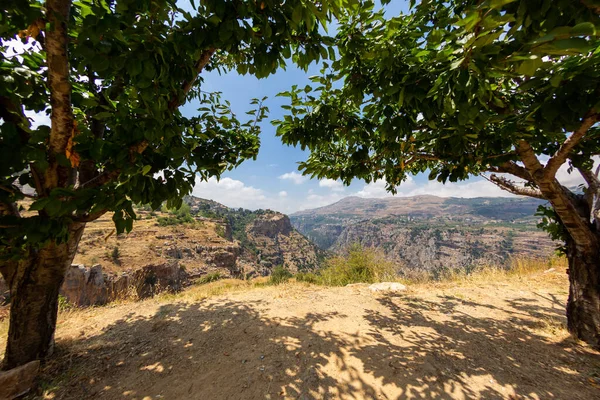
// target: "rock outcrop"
[[271, 225], [90, 286], [429, 233], [277, 243]]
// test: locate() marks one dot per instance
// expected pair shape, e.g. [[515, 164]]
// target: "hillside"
[[212, 238], [429, 232], [491, 338], [169, 250]]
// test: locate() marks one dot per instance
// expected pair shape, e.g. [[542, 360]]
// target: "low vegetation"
[[208, 278], [280, 275], [358, 265], [182, 215]]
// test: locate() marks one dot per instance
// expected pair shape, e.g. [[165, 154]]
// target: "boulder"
[[155, 278], [387, 287], [18, 381], [85, 286]]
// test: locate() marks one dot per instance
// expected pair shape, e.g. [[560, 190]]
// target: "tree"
[[462, 88], [112, 74]]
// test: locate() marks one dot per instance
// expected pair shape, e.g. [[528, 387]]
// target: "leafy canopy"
[[452, 88], [130, 65]]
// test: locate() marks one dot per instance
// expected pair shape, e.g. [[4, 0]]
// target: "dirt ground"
[[462, 340]]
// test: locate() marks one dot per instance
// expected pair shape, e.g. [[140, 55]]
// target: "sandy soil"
[[503, 340]]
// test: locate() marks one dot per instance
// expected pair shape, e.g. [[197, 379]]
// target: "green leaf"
[[529, 67], [583, 29]]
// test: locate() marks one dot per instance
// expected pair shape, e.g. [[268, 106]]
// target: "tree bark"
[[34, 284], [583, 306]]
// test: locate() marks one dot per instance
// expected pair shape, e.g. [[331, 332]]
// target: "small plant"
[[63, 303], [308, 277], [212, 277], [115, 254], [279, 275], [94, 260], [220, 230], [360, 265]]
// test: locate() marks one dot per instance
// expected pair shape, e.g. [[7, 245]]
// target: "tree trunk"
[[583, 306], [34, 285]]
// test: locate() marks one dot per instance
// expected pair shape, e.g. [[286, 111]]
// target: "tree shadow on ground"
[[460, 355], [405, 347]]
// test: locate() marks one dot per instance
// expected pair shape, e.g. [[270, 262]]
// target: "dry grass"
[[212, 289], [517, 269]]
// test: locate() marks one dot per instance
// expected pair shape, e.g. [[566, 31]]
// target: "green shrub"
[[359, 265], [208, 278], [63, 303], [279, 275], [115, 254], [308, 277], [176, 217]]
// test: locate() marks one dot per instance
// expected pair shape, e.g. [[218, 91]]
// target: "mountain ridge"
[[430, 232]]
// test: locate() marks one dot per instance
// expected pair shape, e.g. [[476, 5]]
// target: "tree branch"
[[90, 217], [57, 13], [561, 199], [511, 167], [513, 188], [561, 155], [187, 86]]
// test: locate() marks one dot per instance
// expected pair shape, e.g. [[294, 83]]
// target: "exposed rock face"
[[153, 279], [429, 233], [278, 243], [220, 257], [89, 286], [85, 286], [271, 225]]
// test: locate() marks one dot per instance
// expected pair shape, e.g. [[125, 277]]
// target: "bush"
[[308, 277], [115, 254], [359, 265], [279, 275], [176, 217], [208, 278]]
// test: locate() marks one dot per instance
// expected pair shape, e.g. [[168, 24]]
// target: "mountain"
[[266, 238], [203, 237], [429, 232]]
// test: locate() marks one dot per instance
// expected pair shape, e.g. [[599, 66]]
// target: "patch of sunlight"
[[156, 367]]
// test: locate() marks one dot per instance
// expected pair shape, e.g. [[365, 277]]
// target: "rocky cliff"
[[277, 243], [429, 232]]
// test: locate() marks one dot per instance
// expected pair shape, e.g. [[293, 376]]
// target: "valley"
[[431, 233]]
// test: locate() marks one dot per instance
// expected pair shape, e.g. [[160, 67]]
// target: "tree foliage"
[[460, 88], [111, 76], [128, 66]]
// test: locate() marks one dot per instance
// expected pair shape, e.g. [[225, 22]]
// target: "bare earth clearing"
[[465, 340]]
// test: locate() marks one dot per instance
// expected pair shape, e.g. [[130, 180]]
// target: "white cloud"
[[295, 177], [235, 194], [317, 200], [377, 189], [332, 184], [478, 188], [230, 192]]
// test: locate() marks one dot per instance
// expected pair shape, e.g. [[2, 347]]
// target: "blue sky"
[[273, 180]]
